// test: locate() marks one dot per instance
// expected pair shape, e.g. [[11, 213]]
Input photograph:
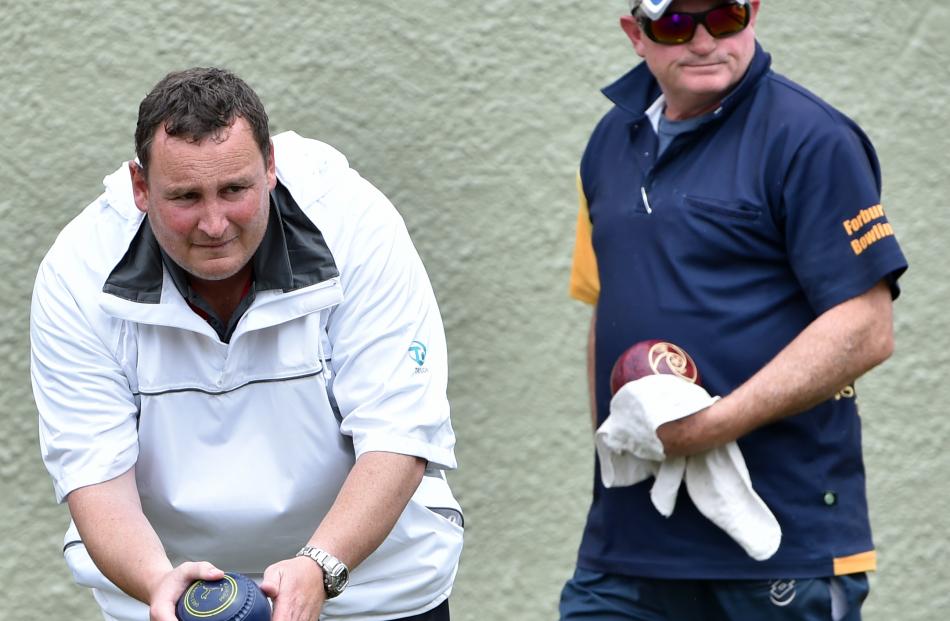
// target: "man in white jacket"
[[239, 365]]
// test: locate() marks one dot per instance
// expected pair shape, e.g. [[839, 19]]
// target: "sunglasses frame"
[[646, 24]]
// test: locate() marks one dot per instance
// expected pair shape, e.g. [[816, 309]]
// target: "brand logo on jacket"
[[417, 352]]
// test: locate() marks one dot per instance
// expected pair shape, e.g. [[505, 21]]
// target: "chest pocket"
[[172, 359], [714, 249], [717, 210]]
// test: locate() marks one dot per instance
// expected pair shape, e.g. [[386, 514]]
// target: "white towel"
[[717, 480]]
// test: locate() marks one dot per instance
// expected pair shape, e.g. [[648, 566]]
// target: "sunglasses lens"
[[673, 28], [727, 20]]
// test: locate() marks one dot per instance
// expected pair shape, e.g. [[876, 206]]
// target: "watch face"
[[338, 579], [335, 578]]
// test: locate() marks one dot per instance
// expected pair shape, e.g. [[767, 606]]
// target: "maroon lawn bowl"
[[652, 357], [234, 598]]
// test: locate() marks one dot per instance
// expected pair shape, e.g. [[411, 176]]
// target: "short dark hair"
[[197, 103]]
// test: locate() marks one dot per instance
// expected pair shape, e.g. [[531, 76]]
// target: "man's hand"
[[689, 435], [296, 586], [169, 589]]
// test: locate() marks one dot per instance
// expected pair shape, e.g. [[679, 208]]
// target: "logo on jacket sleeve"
[[417, 352]]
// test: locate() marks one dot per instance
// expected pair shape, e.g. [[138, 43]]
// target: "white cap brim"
[[654, 9]]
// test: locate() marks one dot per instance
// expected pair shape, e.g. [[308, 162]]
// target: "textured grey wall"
[[471, 117]]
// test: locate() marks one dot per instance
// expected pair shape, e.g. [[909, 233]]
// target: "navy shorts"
[[439, 613], [591, 595]]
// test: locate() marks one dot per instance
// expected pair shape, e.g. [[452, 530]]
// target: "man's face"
[[207, 202], [701, 70]]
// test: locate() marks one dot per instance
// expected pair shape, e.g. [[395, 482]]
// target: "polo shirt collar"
[[637, 90]]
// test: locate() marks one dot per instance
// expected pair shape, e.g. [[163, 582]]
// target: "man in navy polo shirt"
[[730, 211]]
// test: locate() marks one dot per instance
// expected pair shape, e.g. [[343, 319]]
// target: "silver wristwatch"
[[335, 573]]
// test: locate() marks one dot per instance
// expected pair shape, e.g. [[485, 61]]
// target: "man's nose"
[[214, 220], [702, 42]]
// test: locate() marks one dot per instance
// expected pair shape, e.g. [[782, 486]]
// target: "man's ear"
[[632, 29], [271, 168], [755, 12], [139, 186]]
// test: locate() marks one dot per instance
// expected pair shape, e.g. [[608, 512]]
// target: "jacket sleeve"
[[388, 344], [87, 411]]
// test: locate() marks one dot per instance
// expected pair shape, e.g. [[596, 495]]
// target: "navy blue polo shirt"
[[729, 244]]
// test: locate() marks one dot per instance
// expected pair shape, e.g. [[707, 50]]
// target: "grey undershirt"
[[667, 130]]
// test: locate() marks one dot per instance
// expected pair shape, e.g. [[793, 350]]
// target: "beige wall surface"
[[471, 117]]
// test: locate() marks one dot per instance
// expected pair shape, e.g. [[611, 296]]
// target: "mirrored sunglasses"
[[675, 28]]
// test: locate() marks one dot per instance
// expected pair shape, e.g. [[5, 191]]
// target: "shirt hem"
[[856, 563], [689, 569], [65, 484], [436, 456]]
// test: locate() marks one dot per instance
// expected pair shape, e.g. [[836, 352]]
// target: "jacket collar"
[[636, 90], [292, 255]]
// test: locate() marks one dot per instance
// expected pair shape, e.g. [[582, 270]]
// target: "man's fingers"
[[270, 583], [174, 584], [206, 571], [295, 595]]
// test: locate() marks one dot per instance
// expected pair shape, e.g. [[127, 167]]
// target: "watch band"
[[335, 573]]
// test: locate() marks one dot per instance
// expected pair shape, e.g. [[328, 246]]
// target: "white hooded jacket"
[[239, 448]]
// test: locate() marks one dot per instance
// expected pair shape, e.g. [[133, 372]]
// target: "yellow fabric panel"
[[856, 563], [585, 282]]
